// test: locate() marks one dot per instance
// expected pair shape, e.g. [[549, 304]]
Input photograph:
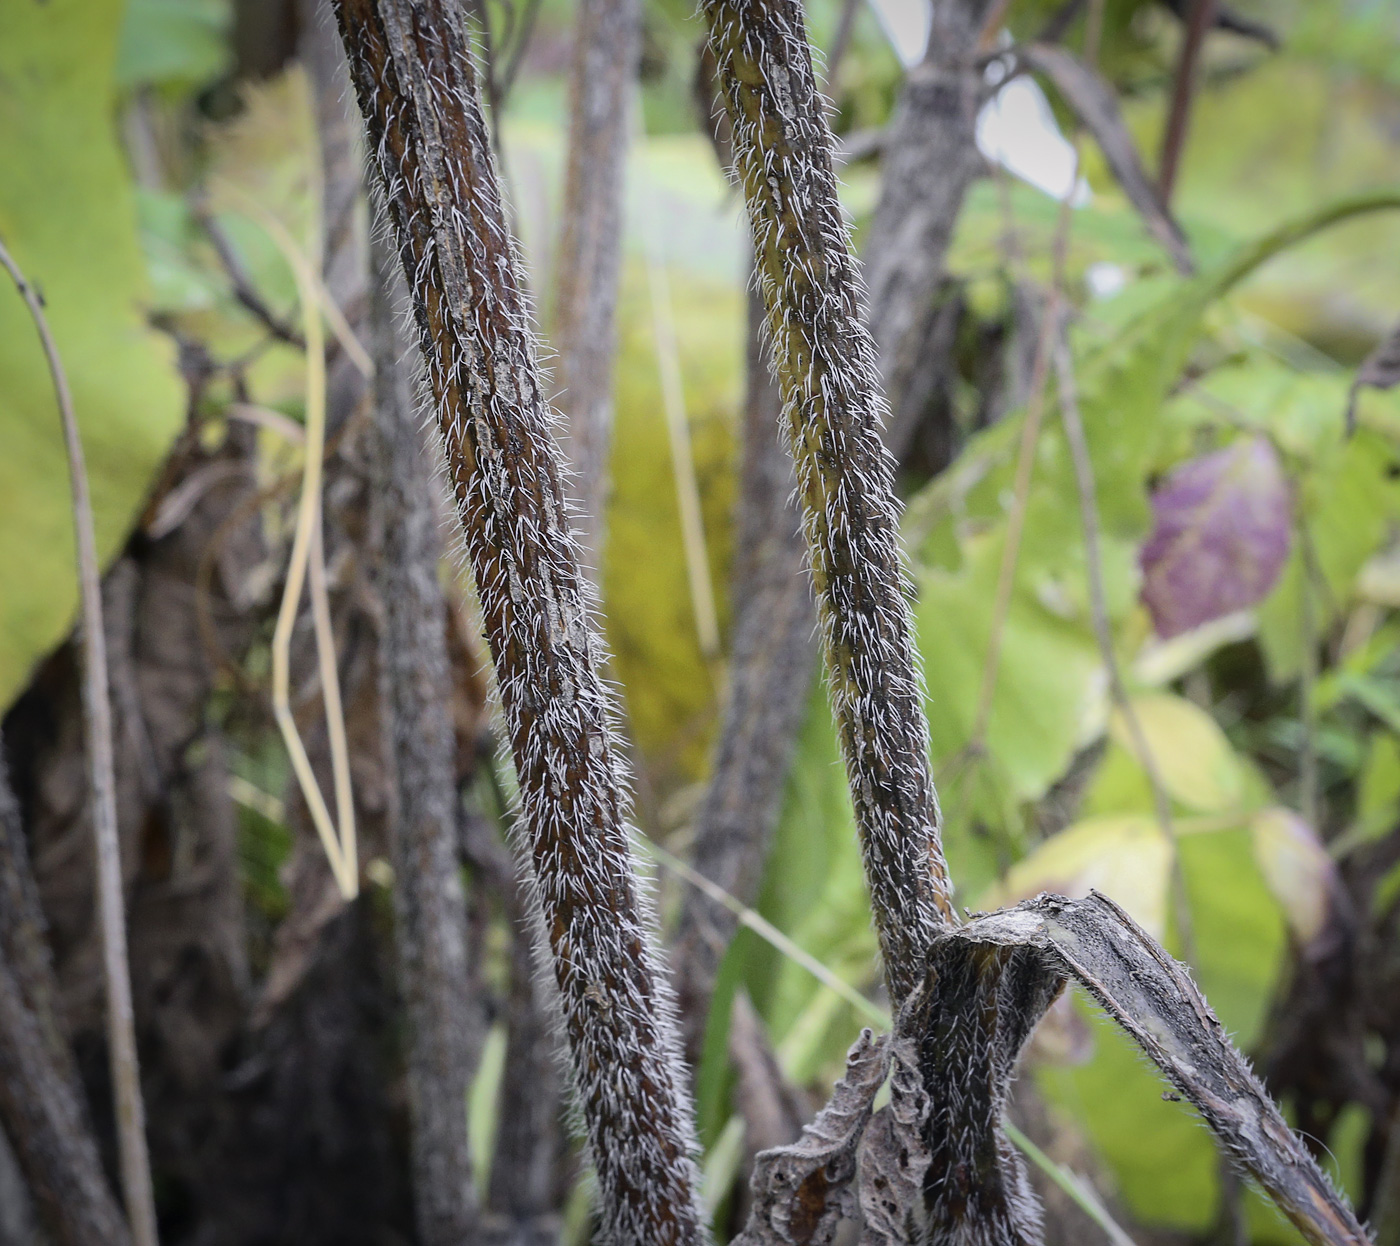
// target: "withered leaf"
[[1379, 370], [1153, 998], [1096, 105], [802, 1192], [893, 1155], [1220, 539]]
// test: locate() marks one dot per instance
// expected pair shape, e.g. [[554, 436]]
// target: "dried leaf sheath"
[[833, 409], [413, 73]]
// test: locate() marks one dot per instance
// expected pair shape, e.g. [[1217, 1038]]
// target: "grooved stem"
[[413, 72], [833, 410]]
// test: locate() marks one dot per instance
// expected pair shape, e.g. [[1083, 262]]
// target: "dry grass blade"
[[97, 721], [308, 555]]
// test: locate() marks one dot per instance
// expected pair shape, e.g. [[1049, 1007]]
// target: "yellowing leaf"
[[1197, 763], [68, 215], [1124, 856], [1297, 868]]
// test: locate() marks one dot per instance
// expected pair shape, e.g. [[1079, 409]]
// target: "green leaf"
[[67, 213], [177, 42], [1048, 696], [712, 1077]]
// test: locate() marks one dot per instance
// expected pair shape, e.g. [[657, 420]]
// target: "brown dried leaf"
[[1096, 106], [893, 1154], [802, 1192], [1379, 370]]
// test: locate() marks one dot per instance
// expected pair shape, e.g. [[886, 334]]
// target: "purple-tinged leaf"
[[1220, 539]]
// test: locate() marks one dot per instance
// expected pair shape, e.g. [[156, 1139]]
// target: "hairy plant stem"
[[97, 722], [833, 410], [415, 78]]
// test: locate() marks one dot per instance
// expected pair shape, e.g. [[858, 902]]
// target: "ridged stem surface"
[[833, 410], [414, 75]]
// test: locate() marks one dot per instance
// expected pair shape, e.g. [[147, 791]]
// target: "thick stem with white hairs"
[[833, 409], [415, 77]]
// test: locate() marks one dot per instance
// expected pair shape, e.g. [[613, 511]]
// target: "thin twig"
[[1183, 91], [1308, 672], [840, 43], [1103, 631], [97, 721], [244, 291]]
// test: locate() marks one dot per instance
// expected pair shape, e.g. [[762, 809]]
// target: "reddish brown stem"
[[1183, 93]]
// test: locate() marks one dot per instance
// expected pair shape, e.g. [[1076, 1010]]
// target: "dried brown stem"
[[415, 78], [41, 1105], [1200, 21], [941, 1140], [97, 718]]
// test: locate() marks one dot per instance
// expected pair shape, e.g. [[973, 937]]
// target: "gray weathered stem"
[[607, 45], [413, 72], [41, 1105], [97, 718], [770, 672], [930, 159], [431, 935], [833, 410]]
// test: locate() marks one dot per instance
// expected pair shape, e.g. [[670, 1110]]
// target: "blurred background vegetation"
[[1248, 542]]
